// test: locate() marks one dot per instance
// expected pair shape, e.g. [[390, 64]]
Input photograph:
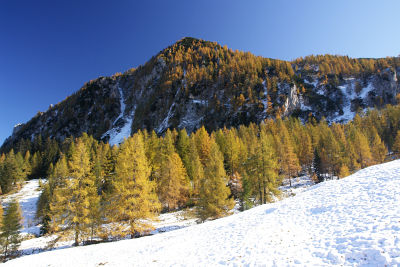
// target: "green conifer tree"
[[27, 169], [9, 238], [11, 173], [43, 209]]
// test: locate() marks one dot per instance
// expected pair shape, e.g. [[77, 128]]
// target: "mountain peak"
[[187, 42]]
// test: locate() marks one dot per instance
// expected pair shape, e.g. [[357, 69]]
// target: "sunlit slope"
[[353, 221]]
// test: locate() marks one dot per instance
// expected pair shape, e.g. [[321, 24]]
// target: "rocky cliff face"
[[165, 93], [92, 109]]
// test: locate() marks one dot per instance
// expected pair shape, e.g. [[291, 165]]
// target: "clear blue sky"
[[48, 49]]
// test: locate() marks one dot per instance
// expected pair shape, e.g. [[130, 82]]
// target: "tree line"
[[97, 191]]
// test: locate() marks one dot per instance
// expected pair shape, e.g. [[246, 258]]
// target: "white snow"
[[314, 83], [27, 198], [200, 101], [122, 104], [354, 221], [117, 135], [165, 123], [364, 92], [265, 99], [347, 114], [173, 221], [190, 121], [348, 93], [303, 106], [124, 132], [299, 184], [166, 222]]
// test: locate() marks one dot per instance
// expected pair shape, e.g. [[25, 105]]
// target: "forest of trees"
[[97, 191], [195, 65]]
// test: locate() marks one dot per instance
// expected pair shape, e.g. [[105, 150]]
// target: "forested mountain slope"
[[195, 82]]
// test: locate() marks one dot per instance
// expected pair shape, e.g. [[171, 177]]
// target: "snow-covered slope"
[[353, 222], [27, 197], [117, 134]]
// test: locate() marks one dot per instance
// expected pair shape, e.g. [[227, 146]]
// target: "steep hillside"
[[195, 82], [351, 222]]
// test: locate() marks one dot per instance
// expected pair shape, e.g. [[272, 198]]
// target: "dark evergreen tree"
[[9, 238], [317, 166]]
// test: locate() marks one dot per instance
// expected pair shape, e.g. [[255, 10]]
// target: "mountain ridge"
[[195, 82]]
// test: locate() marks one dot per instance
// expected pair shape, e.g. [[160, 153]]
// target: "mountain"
[[195, 82], [349, 222]]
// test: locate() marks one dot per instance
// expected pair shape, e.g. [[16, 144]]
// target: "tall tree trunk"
[[265, 192], [76, 235]]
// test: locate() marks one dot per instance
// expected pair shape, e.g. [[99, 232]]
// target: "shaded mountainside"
[[196, 82]]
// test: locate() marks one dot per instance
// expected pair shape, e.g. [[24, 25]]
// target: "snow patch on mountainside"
[[299, 184], [264, 101], [349, 93], [165, 123], [117, 134], [366, 90], [314, 83], [125, 130], [354, 221], [347, 113]]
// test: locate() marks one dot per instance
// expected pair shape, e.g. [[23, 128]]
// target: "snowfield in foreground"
[[353, 222]]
